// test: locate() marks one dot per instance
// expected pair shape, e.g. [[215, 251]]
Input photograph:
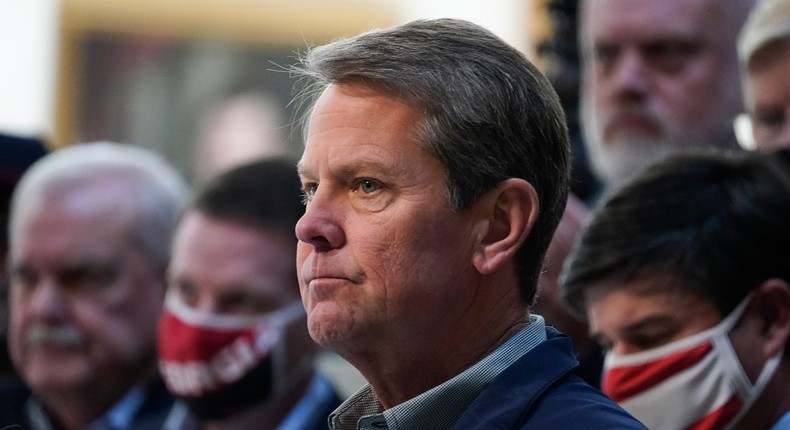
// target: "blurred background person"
[[682, 275], [657, 77], [764, 51], [560, 51], [16, 155], [233, 299], [246, 125], [90, 230]]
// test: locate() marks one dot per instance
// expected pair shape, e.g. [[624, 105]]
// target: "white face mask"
[[693, 383]]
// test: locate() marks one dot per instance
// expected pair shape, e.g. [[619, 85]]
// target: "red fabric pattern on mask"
[[624, 382]]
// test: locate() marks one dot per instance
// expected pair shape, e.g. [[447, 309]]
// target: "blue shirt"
[[783, 423], [311, 410], [440, 407], [119, 417], [319, 398]]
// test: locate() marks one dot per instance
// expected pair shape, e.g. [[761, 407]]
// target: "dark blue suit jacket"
[[542, 391]]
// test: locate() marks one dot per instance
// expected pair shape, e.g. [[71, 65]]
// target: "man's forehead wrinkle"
[[375, 161]]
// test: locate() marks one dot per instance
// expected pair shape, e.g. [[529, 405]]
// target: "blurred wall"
[[31, 85], [28, 38]]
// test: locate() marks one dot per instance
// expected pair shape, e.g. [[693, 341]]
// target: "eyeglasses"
[[771, 129], [744, 132]]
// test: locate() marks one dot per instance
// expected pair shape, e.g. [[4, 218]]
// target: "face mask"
[[694, 383], [222, 364]]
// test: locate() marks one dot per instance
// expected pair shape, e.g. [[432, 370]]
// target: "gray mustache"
[[57, 335]]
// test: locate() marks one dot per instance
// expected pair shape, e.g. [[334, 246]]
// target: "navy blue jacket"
[[542, 391]]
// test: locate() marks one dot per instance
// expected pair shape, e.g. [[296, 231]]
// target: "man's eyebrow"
[[350, 169], [302, 170], [644, 323]]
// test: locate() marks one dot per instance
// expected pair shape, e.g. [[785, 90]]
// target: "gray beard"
[[618, 161]]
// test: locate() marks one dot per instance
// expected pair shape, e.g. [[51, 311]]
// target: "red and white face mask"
[[221, 364], [693, 383]]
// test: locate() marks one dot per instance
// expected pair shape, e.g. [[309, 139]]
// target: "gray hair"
[[157, 197], [768, 23], [489, 114]]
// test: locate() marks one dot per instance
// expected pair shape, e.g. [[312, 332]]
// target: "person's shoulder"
[[542, 390], [565, 400], [571, 403], [156, 407], [13, 396]]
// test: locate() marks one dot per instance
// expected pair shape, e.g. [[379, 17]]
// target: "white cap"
[[769, 21]]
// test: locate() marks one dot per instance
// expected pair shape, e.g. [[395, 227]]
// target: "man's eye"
[[671, 56], [187, 292], [770, 118], [604, 344], [308, 192], [604, 55], [89, 277], [23, 278], [368, 186]]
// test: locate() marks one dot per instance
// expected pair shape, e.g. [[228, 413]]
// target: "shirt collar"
[[783, 423], [121, 415], [441, 406]]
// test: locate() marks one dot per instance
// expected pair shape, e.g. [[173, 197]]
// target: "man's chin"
[[619, 160], [53, 369], [67, 381]]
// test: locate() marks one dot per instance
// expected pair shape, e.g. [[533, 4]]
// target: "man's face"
[[224, 267], [383, 258], [768, 96], [229, 268], [634, 316], [84, 298], [658, 76]]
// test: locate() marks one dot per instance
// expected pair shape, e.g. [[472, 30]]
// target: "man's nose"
[[320, 226], [629, 78], [47, 301]]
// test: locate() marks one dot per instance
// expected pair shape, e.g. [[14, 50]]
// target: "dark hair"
[[717, 224], [17, 153], [489, 115], [264, 193]]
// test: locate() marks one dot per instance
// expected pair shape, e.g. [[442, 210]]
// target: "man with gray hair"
[[435, 171], [658, 77], [90, 229], [764, 51]]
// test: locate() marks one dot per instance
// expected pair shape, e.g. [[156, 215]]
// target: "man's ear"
[[772, 305], [507, 214]]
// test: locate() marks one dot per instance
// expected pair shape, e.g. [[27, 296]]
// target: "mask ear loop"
[[769, 369], [766, 374], [281, 319]]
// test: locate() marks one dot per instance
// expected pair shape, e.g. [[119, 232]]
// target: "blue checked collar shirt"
[[440, 407]]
